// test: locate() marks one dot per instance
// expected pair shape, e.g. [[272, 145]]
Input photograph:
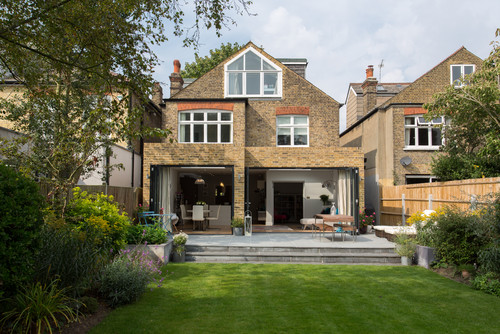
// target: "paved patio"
[[284, 239]]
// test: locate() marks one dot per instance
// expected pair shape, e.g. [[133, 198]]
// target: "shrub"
[[125, 279], [488, 283], [151, 234], [405, 245], [89, 305], [489, 256], [458, 239], [237, 222], [38, 308], [99, 216], [67, 254], [20, 221]]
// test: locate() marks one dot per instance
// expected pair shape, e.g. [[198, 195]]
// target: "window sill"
[[431, 148]]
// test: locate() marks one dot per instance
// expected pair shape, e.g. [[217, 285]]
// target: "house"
[[253, 136], [126, 155], [397, 142]]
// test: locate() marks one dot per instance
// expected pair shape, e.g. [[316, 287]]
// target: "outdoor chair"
[[143, 217]]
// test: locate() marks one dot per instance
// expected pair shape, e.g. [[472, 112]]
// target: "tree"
[[80, 64], [202, 65], [472, 144]]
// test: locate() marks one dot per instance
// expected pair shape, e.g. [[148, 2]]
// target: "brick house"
[[397, 142], [251, 134]]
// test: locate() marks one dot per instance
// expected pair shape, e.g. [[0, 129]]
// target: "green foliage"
[[39, 308], [202, 65], [21, 219], [99, 217], [489, 256], [489, 283], [68, 255], [473, 137], [89, 305], [406, 245], [125, 279], [77, 62], [151, 234], [237, 222]]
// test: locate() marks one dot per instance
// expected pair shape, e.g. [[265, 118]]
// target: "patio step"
[[242, 254]]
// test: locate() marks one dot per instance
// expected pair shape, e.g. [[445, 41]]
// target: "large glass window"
[[292, 130], [205, 126], [422, 134], [458, 72], [252, 75]]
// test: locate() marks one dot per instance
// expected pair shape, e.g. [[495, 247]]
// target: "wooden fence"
[[127, 197], [397, 203]]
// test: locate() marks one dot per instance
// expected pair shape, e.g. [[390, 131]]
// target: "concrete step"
[[242, 254]]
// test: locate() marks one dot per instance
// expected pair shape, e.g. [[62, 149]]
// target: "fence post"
[[430, 201], [403, 208]]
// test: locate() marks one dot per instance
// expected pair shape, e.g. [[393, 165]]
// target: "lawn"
[[268, 298]]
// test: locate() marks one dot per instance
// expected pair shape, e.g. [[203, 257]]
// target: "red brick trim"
[[292, 110], [205, 105], [414, 111]]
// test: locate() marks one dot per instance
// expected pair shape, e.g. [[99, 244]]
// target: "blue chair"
[[143, 217]]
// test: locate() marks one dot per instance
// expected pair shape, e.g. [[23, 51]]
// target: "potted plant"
[[324, 199], [405, 247], [180, 247], [365, 220], [237, 225]]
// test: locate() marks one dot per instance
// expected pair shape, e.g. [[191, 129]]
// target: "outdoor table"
[[332, 221]]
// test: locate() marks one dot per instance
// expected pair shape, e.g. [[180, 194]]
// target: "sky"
[[340, 38]]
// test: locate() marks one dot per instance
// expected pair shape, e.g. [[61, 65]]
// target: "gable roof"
[[407, 95]]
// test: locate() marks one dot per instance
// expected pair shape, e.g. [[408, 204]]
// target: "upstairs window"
[[421, 134], [205, 126], [458, 72], [292, 130], [252, 75]]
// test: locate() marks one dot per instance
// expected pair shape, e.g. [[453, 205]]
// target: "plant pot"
[[425, 256], [405, 260], [369, 229], [176, 257], [238, 231], [362, 229]]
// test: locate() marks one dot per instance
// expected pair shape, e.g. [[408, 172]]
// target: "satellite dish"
[[405, 161]]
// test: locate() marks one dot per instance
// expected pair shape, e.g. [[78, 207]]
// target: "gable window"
[[205, 126], [422, 134], [458, 72], [292, 130], [252, 75]]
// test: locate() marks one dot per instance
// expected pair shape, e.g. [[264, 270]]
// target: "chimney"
[[176, 80], [157, 96], [369, 91]]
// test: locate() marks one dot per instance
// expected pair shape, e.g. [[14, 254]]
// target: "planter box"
[[156, 252], [238, 231], [425, 256]]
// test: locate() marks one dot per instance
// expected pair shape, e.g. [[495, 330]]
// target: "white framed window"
[[457, 72], [423, 135], [292, 130], [206, 126], [252, 75]]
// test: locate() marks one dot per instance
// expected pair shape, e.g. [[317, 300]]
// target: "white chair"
[[216, 217], [184, 215], [198, 216]]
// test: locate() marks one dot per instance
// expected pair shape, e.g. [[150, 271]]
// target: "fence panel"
[[420, 197], [127, 197]]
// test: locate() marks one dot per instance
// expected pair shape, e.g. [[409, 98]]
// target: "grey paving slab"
[[290, 240]]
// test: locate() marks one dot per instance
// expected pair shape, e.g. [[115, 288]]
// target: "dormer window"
[[252, 75], [458, 72]]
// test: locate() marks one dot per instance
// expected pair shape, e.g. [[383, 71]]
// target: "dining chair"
[[184, 215], [198, 216], [216, 217]]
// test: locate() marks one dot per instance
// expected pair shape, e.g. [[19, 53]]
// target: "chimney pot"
[[369, 71], [177, 66]]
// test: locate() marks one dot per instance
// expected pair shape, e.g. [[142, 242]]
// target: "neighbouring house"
[[126, 157], [396, 140], [254, 136]]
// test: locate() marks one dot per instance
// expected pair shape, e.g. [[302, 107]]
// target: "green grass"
[[265, 298]]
